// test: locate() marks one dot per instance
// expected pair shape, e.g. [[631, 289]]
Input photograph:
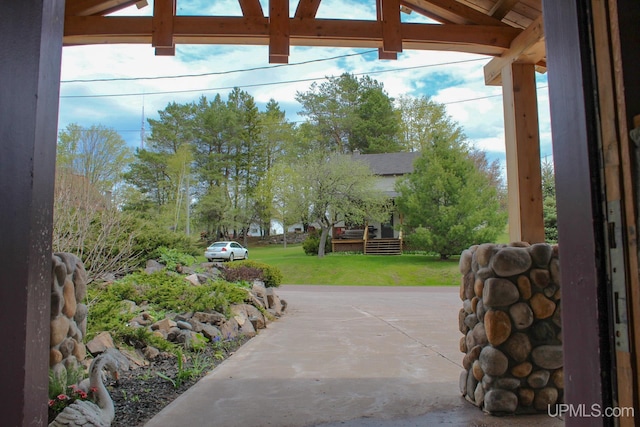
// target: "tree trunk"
[[323, 240]]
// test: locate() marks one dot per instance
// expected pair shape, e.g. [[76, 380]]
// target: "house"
[[382, 238]]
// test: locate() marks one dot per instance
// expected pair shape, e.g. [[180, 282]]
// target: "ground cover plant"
[[351, 269]]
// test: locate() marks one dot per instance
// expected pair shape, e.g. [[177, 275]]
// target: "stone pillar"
[[68, 315], [512, 329]]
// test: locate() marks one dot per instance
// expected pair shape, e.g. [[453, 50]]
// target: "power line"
[[217, 73], [264, 84]]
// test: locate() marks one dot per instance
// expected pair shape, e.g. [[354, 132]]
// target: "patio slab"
[[348, 357]]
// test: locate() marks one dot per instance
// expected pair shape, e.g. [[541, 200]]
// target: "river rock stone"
[[541, 254], [557, 316], [524, 286], [521, 314], [498, 326], [507, 383], [57, 302], [471, 357], [547, 356], [522, 370], [468, 281], [79, 351], [466, 305], [543, 332], [474, 304], [518, 347], [59, 329], [542, 306], [485, 273], [511, 261], [477, 336], [465, 261], [480, 310], [55, 357], [484, 253], [550, 291], [472, 383], [100, 343], [493, 362], [471, 320], [526, 396], [463, 344], [478, 286], [478, 395], [462, 382], [499, 292], [476, 369], [540, 277], [66, 347], [80, 280], [546, 397], [557, 377], [497, 400], [554, 269], [462, 326], [538, 379], [69, 294]]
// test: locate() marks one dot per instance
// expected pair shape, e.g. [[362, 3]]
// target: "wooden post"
[[522, 140], [31, 34]]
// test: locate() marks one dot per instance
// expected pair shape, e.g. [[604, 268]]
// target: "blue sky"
[[454, 79]]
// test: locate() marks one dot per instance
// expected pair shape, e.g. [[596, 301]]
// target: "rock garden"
[[166, 327]]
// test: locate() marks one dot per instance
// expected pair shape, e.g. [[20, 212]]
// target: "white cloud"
[[455, 79]]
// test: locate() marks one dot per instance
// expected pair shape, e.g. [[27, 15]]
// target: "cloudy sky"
[[111, 85]]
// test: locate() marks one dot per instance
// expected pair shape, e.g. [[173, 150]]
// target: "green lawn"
[[357, 269]]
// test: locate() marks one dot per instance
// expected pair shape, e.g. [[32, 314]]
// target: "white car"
[[226, 250]]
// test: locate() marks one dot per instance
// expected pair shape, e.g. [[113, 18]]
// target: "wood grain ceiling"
[[507, 29]]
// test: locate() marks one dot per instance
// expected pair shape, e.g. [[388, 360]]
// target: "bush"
[[312, 244], [172, 258], [249, 271], [150, 238]]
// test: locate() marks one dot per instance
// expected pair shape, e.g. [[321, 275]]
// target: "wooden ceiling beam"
[[424, 12], [96, 7], [279, 31], [388, 14], [251, 8], [502, 7], [488, 40], [307, 9], [454, 12], [164, 12], [527, 48]]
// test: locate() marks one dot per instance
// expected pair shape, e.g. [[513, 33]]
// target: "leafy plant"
[[250, 270], [312, 243], [173, 258], [60, 401]]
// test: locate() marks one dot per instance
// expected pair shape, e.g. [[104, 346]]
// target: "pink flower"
[[82, 394], [62, 397], [51, 402]]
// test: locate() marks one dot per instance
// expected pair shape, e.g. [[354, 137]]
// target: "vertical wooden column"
[[581, 230], [31, 48], [522, 137]]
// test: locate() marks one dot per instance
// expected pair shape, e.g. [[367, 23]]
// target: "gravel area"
[[143, 392]]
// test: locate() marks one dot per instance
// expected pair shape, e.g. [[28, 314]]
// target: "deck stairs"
[[384, 247]]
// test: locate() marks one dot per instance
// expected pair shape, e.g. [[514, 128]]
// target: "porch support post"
[[31, 48], [581, 217], [522, 138]]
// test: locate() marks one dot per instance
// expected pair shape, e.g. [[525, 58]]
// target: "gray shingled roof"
[[388, 163]]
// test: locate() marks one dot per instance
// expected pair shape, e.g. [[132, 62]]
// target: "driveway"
[[348, 357]]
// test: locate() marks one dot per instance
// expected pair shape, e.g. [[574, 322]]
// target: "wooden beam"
[[524, 180], [487, 40], [96, 7], [307, 9], [424, 12], [31, 33], [251, 8], [389, 17], [454, 12], [527, 48], [279, 31], [164, 12], [502, 7]]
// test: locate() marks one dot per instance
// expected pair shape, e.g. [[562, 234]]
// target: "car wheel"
[[246, 255], [231, 257]]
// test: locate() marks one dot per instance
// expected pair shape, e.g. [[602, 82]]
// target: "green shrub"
[[150, 238], [172, 258], [312, 244], [253, 270]]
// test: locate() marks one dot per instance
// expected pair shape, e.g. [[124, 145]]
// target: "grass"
[[357, 269]]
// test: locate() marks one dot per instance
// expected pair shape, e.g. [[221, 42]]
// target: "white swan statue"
[[84, 413]]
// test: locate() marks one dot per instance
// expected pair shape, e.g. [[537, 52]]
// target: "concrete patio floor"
[[344, 357]]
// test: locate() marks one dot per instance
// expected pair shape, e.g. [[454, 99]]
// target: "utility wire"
[[264, 84], [217, 73]]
